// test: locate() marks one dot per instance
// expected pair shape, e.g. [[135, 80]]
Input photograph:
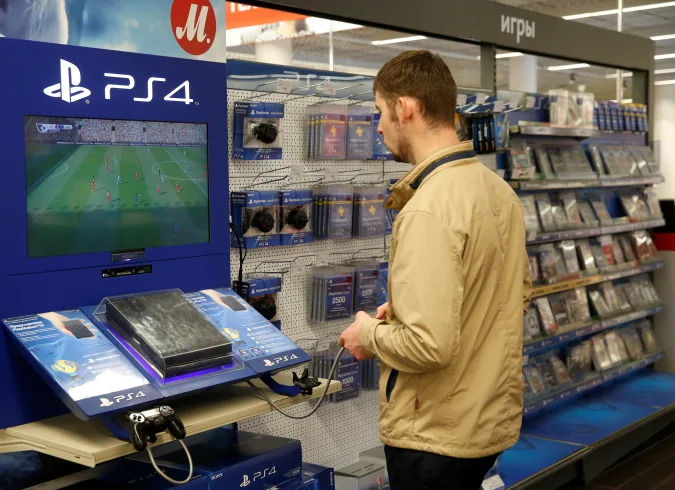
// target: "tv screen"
[[102, 185]]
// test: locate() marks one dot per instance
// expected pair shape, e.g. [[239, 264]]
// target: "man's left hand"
[[350, 337]]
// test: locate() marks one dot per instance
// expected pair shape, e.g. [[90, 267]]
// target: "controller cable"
[[167, 477], [316, 407]]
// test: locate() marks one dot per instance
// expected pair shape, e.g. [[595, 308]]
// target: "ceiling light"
[[568, 67], [638, 8], [663, 38], [626, 74], [665, 82], [509, 55], [664, 56], [398, 40], [664, 71]]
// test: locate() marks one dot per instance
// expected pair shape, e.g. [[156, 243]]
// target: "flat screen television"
[[104, 185]]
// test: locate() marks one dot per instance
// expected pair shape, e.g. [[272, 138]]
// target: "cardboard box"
[[361, 476]]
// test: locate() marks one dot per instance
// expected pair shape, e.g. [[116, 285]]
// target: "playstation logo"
[[68, 89], [268, 363], [246, 482], [105, 402]]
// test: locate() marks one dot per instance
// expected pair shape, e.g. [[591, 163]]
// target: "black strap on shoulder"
[[433, 166]]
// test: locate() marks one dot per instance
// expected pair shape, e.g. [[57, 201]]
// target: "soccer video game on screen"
[[98, 185]]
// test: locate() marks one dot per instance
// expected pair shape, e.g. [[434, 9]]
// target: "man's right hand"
[[382, 311]]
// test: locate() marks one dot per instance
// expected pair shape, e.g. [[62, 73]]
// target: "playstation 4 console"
[[169, 332]]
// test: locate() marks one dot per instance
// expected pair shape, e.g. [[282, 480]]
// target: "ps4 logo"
[[69, 90], [105, 402], [279, 360], [258, 475]]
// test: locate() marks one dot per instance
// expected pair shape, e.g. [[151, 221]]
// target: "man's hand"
[[350, 337], [382, 311]]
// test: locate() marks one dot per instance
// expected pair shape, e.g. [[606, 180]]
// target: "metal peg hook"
[[256, 90]]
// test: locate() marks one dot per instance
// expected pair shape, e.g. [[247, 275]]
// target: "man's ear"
[[406, 108]]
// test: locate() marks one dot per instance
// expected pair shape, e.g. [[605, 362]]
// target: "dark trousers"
[[417, 470]]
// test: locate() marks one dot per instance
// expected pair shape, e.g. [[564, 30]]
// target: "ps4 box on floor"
[[232, 459], [321, 477], [136, 474], [363, 475]]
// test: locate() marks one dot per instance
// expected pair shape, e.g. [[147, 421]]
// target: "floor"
[[653, 468]]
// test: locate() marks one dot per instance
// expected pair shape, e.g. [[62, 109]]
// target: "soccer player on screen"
[[93, 183], [175, 228], [108, 196], [162, 178], [159, 190], [177, 187], [106, 168], [137, 196], [138, 176], [119, 179], [138, 163]]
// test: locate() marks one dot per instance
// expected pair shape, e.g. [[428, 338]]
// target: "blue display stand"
[[532, 455], [650, 390]]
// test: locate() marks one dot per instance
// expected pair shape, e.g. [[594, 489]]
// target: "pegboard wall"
[[338, 432]]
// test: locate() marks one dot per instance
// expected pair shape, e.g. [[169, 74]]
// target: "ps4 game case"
[[168, 331]]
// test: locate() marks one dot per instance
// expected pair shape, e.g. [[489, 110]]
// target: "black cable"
[[316, 407]]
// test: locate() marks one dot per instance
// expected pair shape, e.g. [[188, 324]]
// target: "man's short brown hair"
[[424, 76]]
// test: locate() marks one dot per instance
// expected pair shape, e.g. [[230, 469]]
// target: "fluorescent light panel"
[[664, 56], [663, 37], [600, 13], [626, 74], [568, 67], [664, 71], [398, 40], [665, 82], [509, 55]]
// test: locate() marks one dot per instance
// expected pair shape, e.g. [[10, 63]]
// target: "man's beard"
[[403, 152]]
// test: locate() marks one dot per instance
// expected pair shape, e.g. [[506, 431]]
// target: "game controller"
[[262, 220], [144, 426], [265, 305]]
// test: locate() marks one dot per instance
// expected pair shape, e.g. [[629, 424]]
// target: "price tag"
[[461, 100], [329, 89], [284, 86], [530, 101], [526, 359], [480, 98], [514, 103], [296, 170], [499, 106], [493, 483], [531, 235]]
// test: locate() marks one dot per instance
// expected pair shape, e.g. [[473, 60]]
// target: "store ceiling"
[[354, 51]]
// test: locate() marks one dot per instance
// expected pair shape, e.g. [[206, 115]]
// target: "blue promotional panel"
[[650, 389], [585, 421], [118, 165], [532, 455]]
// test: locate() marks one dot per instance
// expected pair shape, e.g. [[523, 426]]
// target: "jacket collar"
[[403, 190]]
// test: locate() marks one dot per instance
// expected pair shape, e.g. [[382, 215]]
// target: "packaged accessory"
[[295, 220], [256, 127], [254, 216]]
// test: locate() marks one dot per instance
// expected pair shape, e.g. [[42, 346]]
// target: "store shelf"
[[594, 381], [562, 338], [90, 443], [535, 237], [549, 185], [633, 271], [548, 130]]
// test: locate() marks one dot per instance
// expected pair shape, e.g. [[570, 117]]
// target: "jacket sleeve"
[[426, 292]]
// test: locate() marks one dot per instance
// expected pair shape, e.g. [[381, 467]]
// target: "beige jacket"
[[459, 284]]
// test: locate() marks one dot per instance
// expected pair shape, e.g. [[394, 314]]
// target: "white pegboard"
[[337, 433]]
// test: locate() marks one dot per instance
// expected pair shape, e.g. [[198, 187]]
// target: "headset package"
[[332, 212], [332, 293], [254, 216], [369, 213], [262, 297], [256, 127], [359, 133], [380, 151], [295, 220]]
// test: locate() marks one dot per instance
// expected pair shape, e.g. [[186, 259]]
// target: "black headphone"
[[298, 218], [265, 305], [266, 132], [262, 220]]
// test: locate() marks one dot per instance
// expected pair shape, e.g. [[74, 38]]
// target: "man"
[[450, 338]]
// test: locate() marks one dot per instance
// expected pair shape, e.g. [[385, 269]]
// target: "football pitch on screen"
[[98, 198]]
